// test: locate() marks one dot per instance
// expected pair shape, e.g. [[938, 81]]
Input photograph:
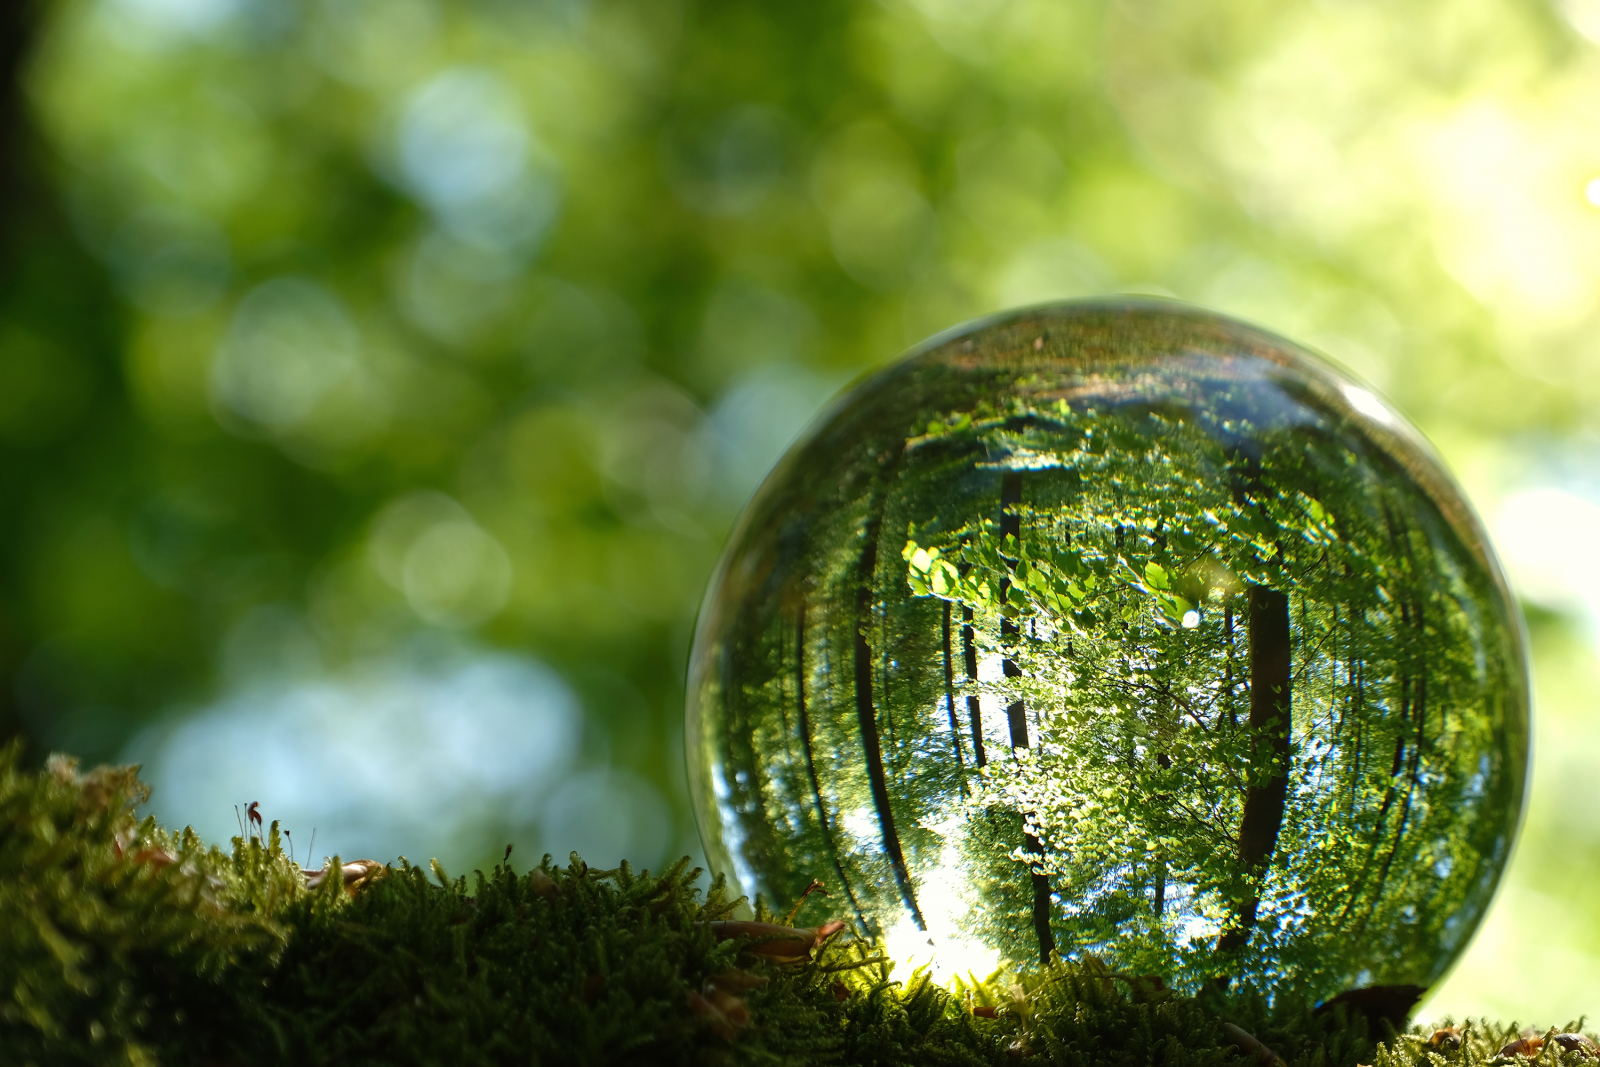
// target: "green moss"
[[123, 943], [115, 933]]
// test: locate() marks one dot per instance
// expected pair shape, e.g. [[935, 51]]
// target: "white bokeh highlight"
[[1548, 537], [392, 759], [466, 151]]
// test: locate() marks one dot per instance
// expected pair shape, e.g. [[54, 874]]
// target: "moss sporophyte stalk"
[[124, 943]]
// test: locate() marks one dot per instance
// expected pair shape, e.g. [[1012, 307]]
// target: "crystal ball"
[[1116, 629]]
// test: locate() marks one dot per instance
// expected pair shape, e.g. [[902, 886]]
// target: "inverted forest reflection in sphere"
[[1124, 629]]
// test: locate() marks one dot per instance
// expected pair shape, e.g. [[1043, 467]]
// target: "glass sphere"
[[1116, 628]]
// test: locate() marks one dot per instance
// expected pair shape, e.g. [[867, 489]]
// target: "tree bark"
[[867, 715], [950, 689], [969, 652], [1016, 717], [811, 763], [1268, 788], [1158, 868], [1011, 526], [28, 216]]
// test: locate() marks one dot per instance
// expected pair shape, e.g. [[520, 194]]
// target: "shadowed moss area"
[[124, 943]]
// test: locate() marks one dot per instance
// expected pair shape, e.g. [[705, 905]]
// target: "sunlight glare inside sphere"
[[1123, 629]]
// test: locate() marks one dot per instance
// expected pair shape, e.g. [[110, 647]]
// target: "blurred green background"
[[378, 378]]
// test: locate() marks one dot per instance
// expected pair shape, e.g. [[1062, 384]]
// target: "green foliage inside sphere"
[[1125, 630]]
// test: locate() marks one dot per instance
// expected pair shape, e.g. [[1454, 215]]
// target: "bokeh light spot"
[[376, 758]]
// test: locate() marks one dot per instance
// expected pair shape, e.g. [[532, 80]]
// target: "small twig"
[[1251, 1046], [814, 887]]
